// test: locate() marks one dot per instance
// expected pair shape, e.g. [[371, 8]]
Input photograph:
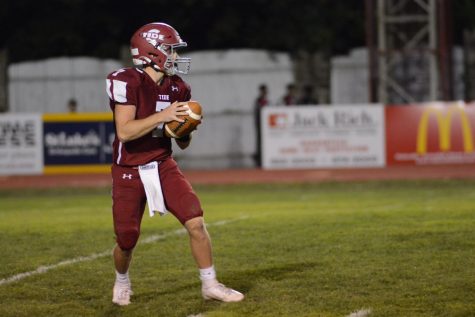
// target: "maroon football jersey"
[[132, 86]]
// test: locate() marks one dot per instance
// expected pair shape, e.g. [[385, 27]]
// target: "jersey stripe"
[[119, 91], [119, 155], [108, 88]]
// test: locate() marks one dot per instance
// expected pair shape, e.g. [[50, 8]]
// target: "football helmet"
[[155, 44]]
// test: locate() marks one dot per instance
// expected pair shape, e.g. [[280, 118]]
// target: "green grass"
[[399, 248]]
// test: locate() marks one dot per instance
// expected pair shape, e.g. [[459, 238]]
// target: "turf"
[[401, 248]]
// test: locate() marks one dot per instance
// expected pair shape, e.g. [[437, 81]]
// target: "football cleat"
[[121, 294], [222, 293]]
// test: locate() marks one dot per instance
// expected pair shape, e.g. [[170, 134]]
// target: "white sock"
[[122, 278], [208, 276]]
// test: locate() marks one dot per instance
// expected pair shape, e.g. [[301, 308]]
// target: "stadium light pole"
[[3, 80], [409, 49]]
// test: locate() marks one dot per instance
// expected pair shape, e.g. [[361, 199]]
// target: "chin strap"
[[156, 68]]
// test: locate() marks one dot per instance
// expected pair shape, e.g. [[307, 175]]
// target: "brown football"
[[175, 129]]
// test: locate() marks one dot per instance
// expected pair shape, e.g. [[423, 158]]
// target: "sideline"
[[45, 268], [255, 176]]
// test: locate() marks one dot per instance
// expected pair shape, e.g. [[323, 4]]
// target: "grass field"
[[395, 248]]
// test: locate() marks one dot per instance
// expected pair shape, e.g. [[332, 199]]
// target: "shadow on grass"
[[244, 281]]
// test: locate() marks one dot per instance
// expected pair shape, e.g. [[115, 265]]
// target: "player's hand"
[[199, 122], [174, 111]]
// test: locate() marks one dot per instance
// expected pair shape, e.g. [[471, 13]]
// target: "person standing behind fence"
[[308, 97], [260, 102], [290, 97], [72, 105]]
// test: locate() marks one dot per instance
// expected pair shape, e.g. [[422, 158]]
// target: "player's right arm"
[[122, 87], [128, 128]]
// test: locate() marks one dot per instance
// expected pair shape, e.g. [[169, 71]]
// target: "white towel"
[[153, 189]]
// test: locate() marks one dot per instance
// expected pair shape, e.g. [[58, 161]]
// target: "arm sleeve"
[[121, 87]]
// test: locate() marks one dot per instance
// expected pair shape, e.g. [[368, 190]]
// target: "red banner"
[[433, 133]]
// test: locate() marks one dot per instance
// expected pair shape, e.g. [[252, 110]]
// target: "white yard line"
[[45, 268], [360, 313]]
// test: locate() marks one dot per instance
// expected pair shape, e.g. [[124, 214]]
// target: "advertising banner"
[[77, 142], [21, 149], [432, 133], [323, 136]]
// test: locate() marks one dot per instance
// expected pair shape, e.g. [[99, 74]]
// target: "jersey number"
[[159, 106]]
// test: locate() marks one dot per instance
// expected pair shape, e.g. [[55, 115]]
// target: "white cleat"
[[121, 294], [222, 293]]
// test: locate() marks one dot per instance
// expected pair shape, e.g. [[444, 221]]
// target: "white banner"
[[21, 146], [323, 136]]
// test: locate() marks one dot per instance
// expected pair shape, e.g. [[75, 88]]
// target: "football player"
[[142, 99]]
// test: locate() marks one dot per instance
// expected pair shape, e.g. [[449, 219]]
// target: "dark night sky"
[[41, 29]]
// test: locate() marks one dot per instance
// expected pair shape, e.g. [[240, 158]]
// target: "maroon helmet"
[[154, 45]]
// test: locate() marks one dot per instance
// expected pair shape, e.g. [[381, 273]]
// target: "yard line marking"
[[45, 268], [360, 313]]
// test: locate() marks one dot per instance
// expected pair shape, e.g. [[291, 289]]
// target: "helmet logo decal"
[[152, 36]]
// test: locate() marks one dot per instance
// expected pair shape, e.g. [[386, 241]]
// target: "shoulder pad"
[[122, 84]]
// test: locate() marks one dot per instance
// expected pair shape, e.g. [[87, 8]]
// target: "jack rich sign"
[[323, 137]]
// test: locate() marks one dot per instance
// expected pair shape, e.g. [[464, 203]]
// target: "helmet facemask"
[[174, 64]]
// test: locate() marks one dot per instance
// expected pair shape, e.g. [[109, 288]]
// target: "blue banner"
[[72, 143]]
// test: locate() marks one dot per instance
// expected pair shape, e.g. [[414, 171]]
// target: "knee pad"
[[127, 239]]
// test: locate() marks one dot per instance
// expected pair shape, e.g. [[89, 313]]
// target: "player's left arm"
[[185, 141]]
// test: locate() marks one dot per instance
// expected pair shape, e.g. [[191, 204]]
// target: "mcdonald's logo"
[[444, 118]]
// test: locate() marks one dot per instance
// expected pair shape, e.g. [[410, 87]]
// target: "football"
[[175, 129]]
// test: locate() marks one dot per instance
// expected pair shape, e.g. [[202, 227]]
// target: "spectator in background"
[[72, 105], [260, 102], [308, 97], [290, 97]]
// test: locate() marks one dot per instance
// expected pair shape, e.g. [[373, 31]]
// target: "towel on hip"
[[149, 175]]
